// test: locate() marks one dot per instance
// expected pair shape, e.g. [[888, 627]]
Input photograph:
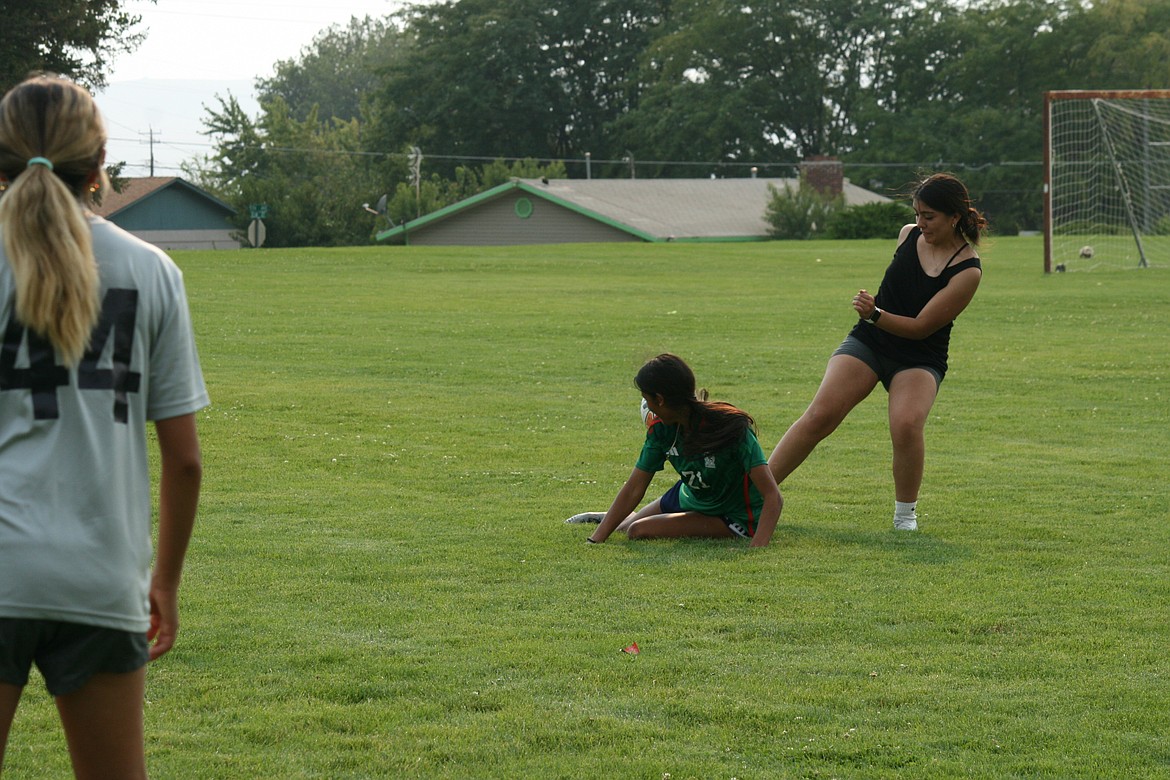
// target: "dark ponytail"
[[713, 425], [944, 193]]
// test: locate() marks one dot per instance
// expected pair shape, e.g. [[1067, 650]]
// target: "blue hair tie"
[[45, 161]]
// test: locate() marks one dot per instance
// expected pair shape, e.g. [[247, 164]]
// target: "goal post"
[[1106, 179]]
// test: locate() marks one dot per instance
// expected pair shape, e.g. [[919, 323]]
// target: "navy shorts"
[[67, 654], [882, 366], [670, 503]]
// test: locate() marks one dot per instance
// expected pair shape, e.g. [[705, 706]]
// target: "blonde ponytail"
[[51, 146]]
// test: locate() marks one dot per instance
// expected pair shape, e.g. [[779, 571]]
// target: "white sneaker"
[[905, 524], [587, 517]]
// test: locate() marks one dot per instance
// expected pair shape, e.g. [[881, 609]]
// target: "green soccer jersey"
[[717, 484]]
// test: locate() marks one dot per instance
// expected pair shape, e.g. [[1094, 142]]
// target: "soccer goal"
[[1107, 179]]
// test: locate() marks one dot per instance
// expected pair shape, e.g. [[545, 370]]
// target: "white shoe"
[[587, 517], [905, 524]]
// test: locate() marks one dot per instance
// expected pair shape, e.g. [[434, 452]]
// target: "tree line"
[[443, 100], [75, 38]]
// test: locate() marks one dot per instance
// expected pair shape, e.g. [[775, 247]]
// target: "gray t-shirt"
[[75, 497]]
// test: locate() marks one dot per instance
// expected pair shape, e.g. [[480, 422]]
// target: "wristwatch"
[[873, 318]]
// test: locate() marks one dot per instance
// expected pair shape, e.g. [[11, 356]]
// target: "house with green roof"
[[553, 211]]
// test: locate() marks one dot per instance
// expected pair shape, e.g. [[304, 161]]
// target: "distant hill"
[[172, 110]]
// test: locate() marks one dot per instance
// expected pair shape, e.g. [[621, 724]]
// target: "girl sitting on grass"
[[725, 488]]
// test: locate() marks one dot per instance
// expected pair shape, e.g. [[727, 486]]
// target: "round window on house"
[[523, 208]]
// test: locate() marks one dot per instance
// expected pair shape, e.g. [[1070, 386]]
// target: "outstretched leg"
[[848, 380], [678, 525], [650, 510]]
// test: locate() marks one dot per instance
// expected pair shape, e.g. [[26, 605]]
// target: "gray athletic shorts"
[[882, 366], [68, 654]]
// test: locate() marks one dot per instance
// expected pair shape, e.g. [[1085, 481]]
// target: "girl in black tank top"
[[902, 339], [905, 290]]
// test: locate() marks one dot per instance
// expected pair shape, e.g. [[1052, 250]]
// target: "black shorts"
[[884, 367], [67, 654]]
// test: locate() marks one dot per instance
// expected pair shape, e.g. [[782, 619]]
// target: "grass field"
[[381, 584]]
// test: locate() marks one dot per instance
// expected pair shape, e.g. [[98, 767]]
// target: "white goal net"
[[1107, 191]]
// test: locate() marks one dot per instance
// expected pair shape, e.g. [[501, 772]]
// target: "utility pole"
[[150, 137]]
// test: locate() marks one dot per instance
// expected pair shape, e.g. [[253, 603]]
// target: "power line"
[[615, 161], [546, 160]]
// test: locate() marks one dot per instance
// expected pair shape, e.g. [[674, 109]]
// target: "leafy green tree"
[[410, 202], [498, 172], [1131, 48], [238, 144], [800, 213], [470, 86], [689, 110], [895, 89], [75, 38], [773, 81], [308, 154], [338, 71], [597, 47], [868, 220], [962, 89], [313, 176], [118, 182], [318, 183], [524, 77]]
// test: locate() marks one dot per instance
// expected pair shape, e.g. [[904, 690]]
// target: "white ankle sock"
[[906, 510]]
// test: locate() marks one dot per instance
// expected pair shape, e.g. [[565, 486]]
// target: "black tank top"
[[905, 290]]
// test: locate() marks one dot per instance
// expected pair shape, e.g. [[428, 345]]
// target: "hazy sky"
[[231, 39], [195, 50]]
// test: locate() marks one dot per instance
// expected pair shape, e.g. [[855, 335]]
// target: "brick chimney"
[[824, 174]]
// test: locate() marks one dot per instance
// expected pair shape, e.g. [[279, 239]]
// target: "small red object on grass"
[[632, 649]]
